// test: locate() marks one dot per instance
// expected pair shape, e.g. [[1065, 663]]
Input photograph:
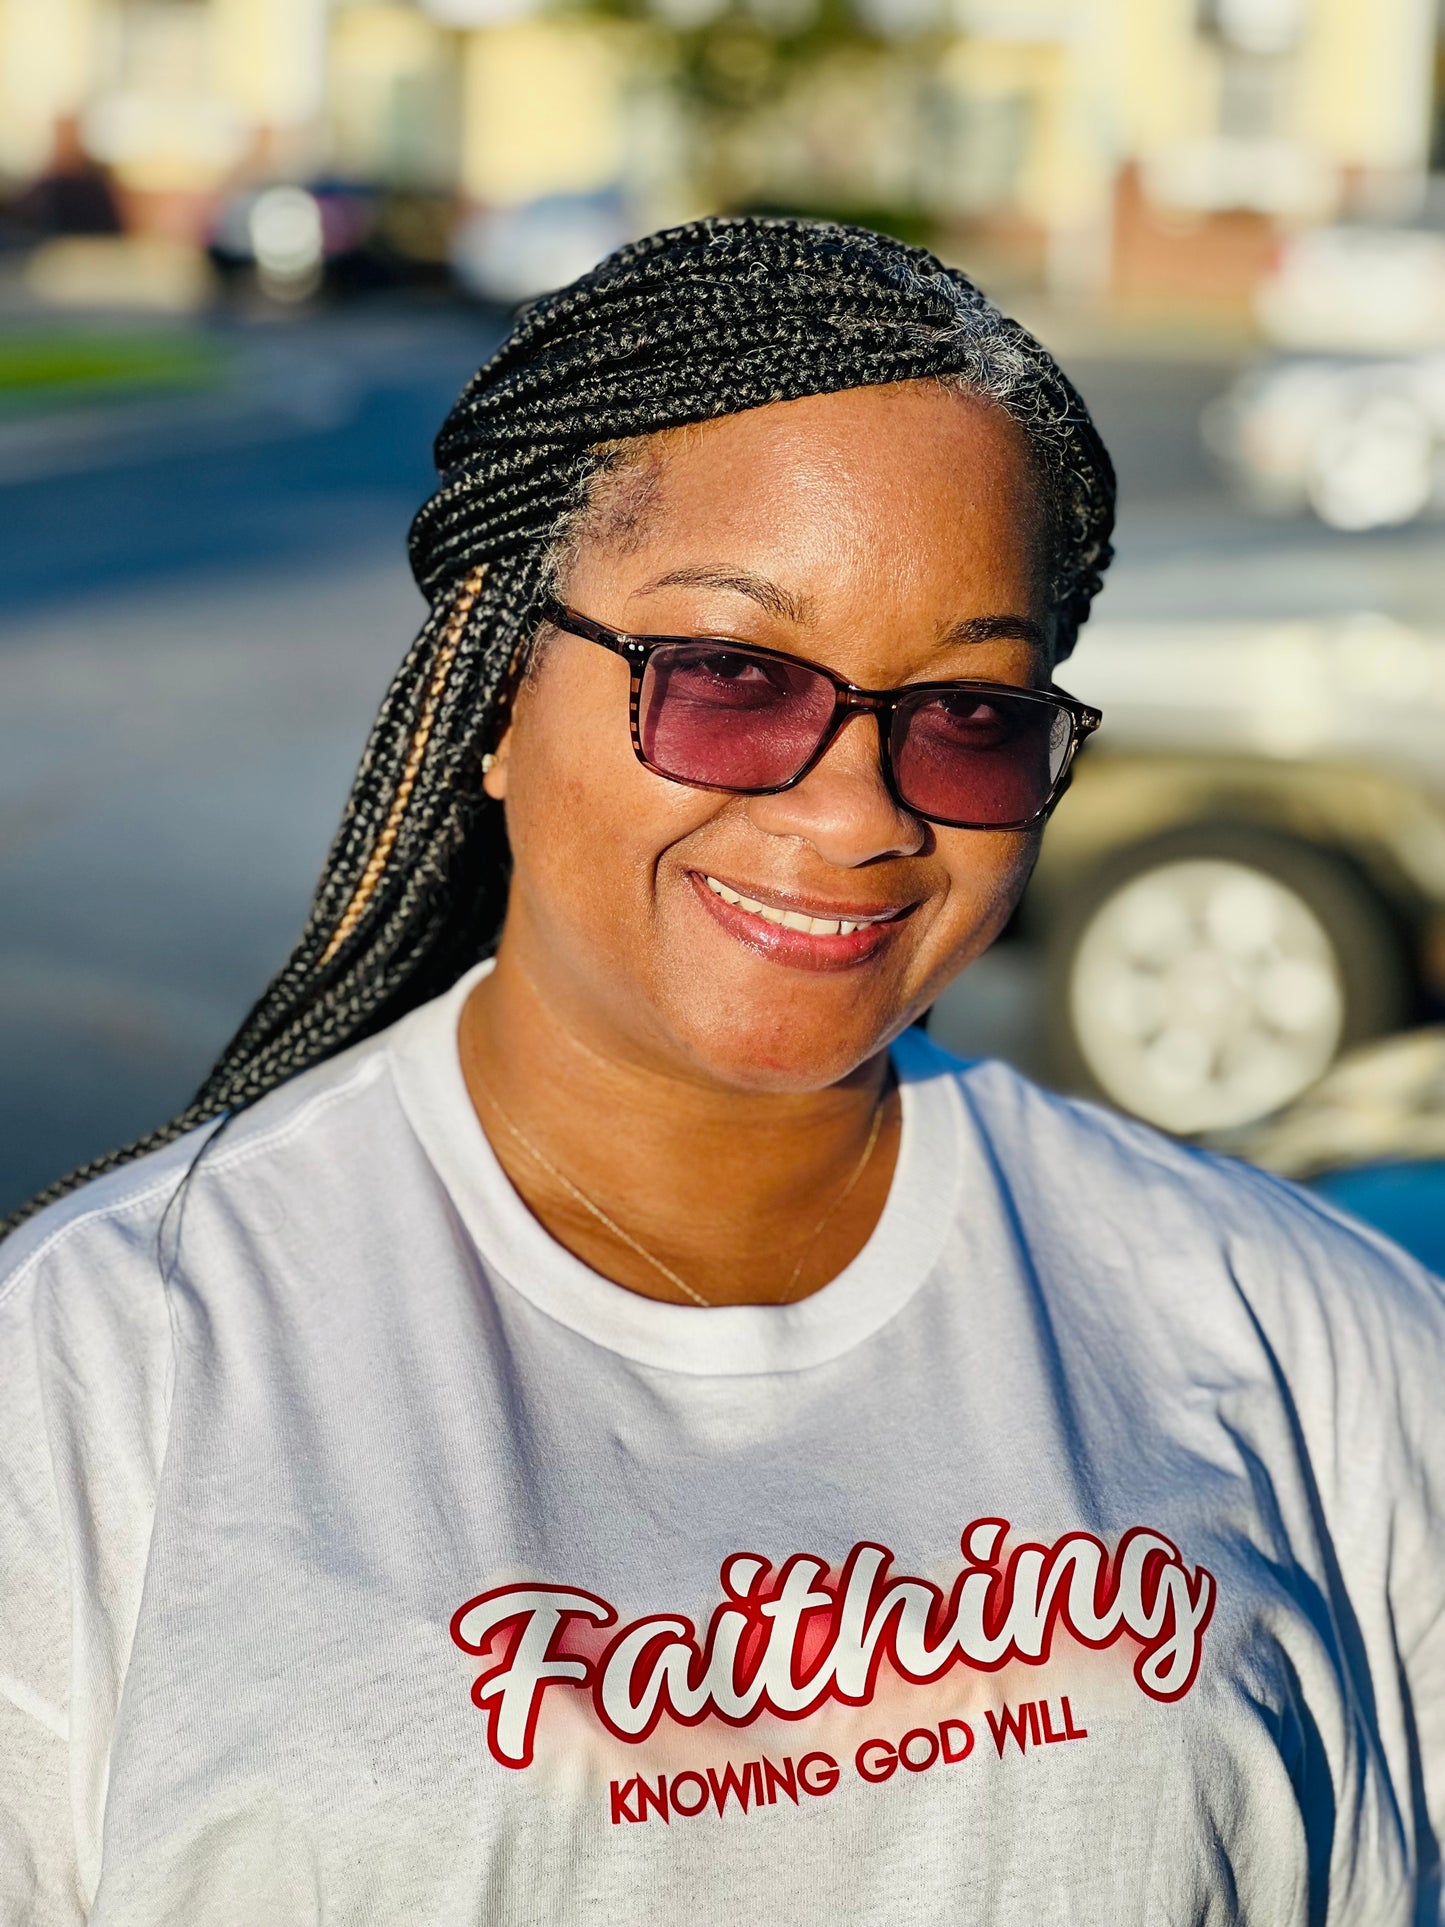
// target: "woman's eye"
[[979, 720], [964, 707], [726, 666]]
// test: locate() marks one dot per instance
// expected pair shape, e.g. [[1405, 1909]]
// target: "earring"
[[487, 762]]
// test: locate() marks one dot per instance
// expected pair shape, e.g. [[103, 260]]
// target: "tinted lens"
[[976, 759], [730, 718]]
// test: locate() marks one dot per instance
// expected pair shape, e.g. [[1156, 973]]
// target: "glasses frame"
[[848, 700]]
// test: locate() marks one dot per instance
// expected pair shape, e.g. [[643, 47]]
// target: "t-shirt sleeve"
[[1354, 1332], [38, 1880], [1381, 1354], [1417, 1566], [85, 1366]]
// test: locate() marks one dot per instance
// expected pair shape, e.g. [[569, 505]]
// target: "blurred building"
[[1150, 150], [176, 96]]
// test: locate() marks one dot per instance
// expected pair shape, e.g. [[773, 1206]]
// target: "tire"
[[1205, 978]]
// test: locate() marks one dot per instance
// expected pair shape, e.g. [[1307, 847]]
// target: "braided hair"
[[699, 321]]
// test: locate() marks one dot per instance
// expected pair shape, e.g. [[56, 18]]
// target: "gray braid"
[[697, 322]]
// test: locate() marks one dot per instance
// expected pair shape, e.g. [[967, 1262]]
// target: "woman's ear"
[[494, 768]]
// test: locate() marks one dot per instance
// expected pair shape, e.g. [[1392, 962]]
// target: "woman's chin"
[[760, 1026], [782, 1055]]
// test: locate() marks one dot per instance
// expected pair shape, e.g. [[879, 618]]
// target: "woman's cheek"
[[586, 828], [989, 872]]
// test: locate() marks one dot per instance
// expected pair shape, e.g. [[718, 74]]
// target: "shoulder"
[[1126, 1202], [1213, 1286], [101, 1250]]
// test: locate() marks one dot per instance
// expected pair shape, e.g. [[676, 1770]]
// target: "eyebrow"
[[778, 601], [771, 595], [994, 629]]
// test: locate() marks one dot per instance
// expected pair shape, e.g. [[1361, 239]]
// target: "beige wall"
[[1365, 81], [175, 97], [1163, 76], [388, 63], [542, 111], [269, 59], [47, 50], [1119, 81]]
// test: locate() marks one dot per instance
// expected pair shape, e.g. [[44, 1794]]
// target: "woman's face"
[[861, 530]]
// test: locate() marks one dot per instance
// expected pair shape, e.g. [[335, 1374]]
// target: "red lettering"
[[788, 1638], [817, 1773], [696, 1779], [946, 1731], [739, 1785], [620, 1809], [780, 1777], [929, 1739], [647, 1797], [1010, 1724], [883, 1768]]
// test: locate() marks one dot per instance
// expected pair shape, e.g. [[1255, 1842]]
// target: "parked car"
[[1371, 1138], [1361, 288], [1359, 441], [1247, 877], [292, 240], [1348, 420], [506, 255]]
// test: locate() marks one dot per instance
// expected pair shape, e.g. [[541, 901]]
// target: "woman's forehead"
[[913, 481]]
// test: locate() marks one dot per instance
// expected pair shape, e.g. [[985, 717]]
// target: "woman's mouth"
[[815, 936]]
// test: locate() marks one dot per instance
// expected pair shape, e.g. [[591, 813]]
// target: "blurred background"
[[250, 249]]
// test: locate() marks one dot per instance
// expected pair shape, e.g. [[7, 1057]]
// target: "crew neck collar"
[[720, 1341]]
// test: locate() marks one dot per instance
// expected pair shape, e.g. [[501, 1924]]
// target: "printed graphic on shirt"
[[786, 1641]]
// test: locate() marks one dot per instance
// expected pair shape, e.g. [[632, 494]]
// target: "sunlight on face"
[[880, 532]]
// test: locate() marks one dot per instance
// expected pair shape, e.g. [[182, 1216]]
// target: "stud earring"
[[487, 761]]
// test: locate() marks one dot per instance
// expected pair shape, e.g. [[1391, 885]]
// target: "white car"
[[508, 255], [1360, 441]]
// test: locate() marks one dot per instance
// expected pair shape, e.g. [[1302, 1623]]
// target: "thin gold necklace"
[[625, 1237]]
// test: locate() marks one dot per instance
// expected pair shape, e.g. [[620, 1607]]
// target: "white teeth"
[[788, 919]]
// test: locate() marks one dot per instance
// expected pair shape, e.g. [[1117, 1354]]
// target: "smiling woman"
[[894, 530], [580, 1272]]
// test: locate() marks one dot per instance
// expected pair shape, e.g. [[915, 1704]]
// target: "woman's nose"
[[842, 806]]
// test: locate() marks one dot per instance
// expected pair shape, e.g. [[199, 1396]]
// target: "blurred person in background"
[[73, 196], [590, 1416]]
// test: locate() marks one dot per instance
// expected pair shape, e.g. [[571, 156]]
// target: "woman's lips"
[[805, 935]]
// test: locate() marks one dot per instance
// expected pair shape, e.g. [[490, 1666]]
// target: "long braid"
[[694, 323]]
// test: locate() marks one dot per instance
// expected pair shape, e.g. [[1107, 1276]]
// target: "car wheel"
[[1206, 978]]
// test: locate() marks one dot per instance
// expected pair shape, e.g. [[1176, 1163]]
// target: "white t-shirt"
[[1076, 1557]]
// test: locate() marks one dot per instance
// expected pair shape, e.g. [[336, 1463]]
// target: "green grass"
[[60, 367]]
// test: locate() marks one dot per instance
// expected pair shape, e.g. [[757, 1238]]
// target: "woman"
[[631, 1432]]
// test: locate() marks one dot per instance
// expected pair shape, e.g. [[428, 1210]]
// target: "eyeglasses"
[[722, 715]]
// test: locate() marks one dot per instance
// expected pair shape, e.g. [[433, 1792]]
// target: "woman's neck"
[[669, 1185]]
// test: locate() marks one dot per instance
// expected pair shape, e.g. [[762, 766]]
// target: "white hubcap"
[[1205, 994]]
